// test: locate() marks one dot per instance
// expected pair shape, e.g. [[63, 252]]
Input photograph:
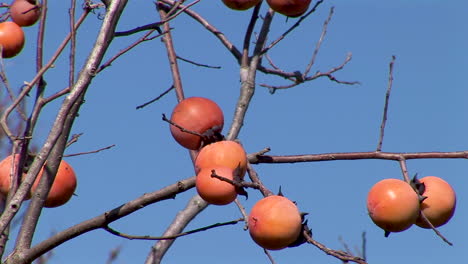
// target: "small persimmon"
[[275, 222], [241, 4], [214, 190], [224, 153], [25, 13], [290, 8], [196, 114], [439, 204], [393, 205], [5, 174]]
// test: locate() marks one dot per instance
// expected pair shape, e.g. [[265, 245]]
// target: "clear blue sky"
[[427, 113]]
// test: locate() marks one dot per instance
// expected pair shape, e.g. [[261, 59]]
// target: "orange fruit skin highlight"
[[274, 222], [11, 39], [224, 153], [214, 190], [241, 4], [63, 187], [196, 114], [393, 205], [290, 8], [439, 206], [23, 13]]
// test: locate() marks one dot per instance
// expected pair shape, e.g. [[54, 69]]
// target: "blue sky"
[[427, 113]]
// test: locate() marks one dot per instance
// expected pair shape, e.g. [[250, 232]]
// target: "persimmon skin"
[[24, 12], [241, 4], [214, 190], [439, 206], [11, 39], [393, 205], [62, 188], [224, 153], [196, 114], [274, 222], [5, 171], [290, 8]]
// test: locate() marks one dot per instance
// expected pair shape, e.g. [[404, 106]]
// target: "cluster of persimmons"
[[394, 205], [23, 13], [275, 222], [196, 123]]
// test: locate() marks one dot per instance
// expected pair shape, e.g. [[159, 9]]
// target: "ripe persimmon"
[[439, 204], [393, 205], [5, 173], [25, 13], [214, 190], [11, 39], [274, 222], [196, 114], [224, 153], [63, 187], [241, 4], [290, 8]]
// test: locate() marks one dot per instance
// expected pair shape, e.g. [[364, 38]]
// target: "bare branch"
[[256, 159]]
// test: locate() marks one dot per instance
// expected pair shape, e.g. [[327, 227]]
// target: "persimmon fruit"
[[241, 4], [197, 114], [439, 204], [62, 189], [5, 172], [11, 39], [274, 222], [224, 153], [290, 8], [393, 205], [25, 13], [214, 190]]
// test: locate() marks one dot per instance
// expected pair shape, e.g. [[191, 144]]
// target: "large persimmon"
[[275, 222], [214, 190], [25, 13], [11, 39], [196, 114], [439, 204], [224, 153], [62, 188], [290, 8], [393, 205], [241, 4]]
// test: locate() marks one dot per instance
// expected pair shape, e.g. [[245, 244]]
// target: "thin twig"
[[387, 99], [298, 22], [146, 237], [198, 64], [156, 99], [270, 257], [90, 152], [319, 42], [341, 255]]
